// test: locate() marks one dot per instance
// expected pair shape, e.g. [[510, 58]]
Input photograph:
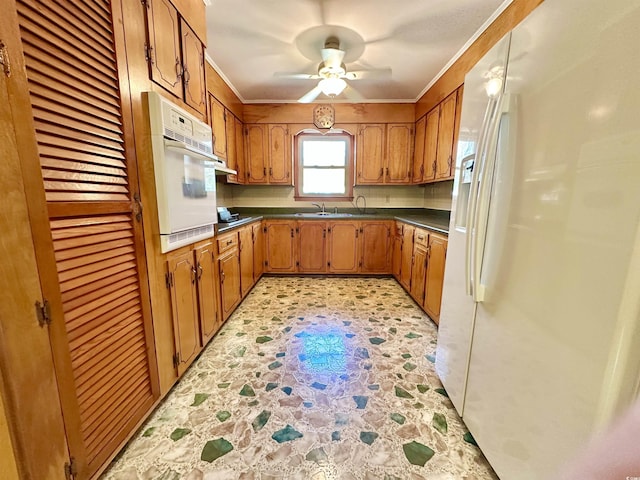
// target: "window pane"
[[324, 153], [323, 181]]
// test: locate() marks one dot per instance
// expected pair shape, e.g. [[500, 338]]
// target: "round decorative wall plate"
[[324, 116]]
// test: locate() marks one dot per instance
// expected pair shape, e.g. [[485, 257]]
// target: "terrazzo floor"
[[311, 378]]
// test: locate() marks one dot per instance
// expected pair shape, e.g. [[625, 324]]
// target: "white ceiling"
[[250, 40]]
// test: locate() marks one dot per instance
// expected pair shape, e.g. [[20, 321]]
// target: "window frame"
[[297, 147]]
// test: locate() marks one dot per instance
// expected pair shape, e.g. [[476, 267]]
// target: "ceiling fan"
[[333, 74]]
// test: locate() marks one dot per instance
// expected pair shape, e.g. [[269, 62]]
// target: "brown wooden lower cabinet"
[[406, 256], [435, 275], [312, 251], [245, 247], [375, 239], [257, 237], [228, 265], [280, 246], [422, 261], [396, 255], [207, 284], [344, 251], [182, 276]]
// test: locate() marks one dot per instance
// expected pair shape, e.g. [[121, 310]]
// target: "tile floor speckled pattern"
[[311, 378]]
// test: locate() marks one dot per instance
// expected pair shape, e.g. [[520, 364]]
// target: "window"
[[324, 166]]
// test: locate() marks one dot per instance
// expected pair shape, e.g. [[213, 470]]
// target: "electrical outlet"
[[387, 198]]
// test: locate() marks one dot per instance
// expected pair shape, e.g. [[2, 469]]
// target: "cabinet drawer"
[[421, 237], [228, 241]]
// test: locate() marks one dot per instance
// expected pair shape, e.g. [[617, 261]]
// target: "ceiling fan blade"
[[352, 94], [374, 73], [332, 57], [301, 76], [311, 95]]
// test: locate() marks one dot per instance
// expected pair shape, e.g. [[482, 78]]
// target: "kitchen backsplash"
[[435, 196]]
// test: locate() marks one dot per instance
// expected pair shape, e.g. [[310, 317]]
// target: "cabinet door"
[[229, 274], [399, 143], [246, 260], [184, 305], [437, 255], [418, 150], [164, 46], [240, 160], [396, 257], [445, 137], [195, 87], [370, 154], [232, 150], [280, 246], [258, 251], [407, 256], [312, 252], [375, 247], [418, 274], [279, 155], [209, 320], [218, 127], [256, 153], [431, 145], [343, 247]]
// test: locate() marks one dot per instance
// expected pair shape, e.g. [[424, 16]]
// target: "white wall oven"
[[185, 173]]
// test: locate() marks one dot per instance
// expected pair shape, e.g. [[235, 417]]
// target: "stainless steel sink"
[[322, 214]]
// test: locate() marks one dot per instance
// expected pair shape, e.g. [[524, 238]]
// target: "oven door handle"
[[183, 148]]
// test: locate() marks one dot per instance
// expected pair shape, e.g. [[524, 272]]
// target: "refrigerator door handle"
[[473, 194], [481, 216]]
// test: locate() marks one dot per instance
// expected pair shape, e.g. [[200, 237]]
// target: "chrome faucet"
[[321, 207]]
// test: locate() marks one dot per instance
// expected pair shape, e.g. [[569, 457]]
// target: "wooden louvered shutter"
[[89, 178]]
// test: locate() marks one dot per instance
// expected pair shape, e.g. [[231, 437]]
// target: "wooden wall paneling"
[[139, 82], [29, 384], [217, 87], [194, 13], [345, 113], [8, 465], [454, 76]]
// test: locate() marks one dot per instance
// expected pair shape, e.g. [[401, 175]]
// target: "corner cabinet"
[[280, 246], [268, 150], [384, 153], [421, 266], [175, 55]]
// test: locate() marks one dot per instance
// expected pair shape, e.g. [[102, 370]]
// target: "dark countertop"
[[436, 220]]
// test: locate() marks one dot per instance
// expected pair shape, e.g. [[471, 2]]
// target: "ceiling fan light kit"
[[332, 74], [332, 86]]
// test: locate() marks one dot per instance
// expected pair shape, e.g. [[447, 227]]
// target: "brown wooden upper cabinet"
[[435, 141], [384, 153], [268, 154], [228, 139], [218, 117], [175, 54]]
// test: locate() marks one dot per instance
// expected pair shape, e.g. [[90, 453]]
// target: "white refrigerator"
[[539, 336]]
